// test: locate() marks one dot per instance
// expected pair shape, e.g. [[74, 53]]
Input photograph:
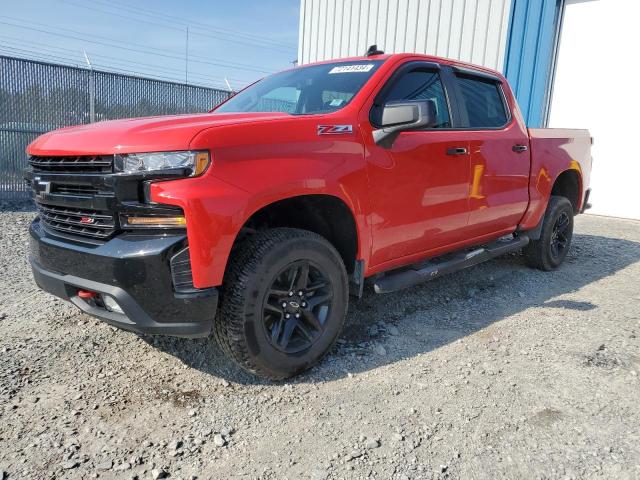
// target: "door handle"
[[520, 148], [457, 151]]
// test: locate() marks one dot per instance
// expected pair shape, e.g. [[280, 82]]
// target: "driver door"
[[419, 186]]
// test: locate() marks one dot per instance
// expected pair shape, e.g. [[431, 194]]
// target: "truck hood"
[[149, 134]]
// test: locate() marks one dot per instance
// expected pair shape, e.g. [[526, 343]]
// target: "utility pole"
[[186, 59], [186, 71], [92, 89]]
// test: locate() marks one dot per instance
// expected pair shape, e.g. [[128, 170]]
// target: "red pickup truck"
[[257, 220]]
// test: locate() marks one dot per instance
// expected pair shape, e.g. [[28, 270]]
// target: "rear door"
[[499, 154]]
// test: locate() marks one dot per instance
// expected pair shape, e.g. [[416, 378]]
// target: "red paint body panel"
[[553, 151], [284, 159], [409, 202], [147, 134]]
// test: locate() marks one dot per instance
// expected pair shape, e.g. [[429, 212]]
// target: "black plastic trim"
[[356, 279], [585, 204], [476, 73], [117, 194], [133, 269], [134, 319], [403, 278]]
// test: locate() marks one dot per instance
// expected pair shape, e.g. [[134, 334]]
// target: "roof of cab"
[[400, 56]]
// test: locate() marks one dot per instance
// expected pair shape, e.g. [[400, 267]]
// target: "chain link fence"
[[37, 97]]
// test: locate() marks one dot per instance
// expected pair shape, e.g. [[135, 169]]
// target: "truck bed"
[[554, 151]]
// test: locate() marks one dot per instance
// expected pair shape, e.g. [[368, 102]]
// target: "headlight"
[[194, 162]]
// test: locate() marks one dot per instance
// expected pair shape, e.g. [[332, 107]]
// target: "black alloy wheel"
[[297, 306], [559, 236], [283, 302], [549, 251]]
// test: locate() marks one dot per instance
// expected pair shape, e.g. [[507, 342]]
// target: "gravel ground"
[[495, 372]]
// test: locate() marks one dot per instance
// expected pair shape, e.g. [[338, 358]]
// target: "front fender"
[[216, 210], [256, 164]]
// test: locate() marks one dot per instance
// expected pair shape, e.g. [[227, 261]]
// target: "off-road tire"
[[238, 326], [540, 253]]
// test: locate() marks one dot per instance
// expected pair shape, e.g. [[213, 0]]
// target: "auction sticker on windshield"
[[352, 68]]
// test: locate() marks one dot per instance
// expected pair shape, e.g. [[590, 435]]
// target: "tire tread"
[[244, 263], [536, 253]]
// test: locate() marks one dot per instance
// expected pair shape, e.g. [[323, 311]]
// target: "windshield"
[[305, 90]]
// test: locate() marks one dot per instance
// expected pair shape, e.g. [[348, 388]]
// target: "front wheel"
[[283, 302], [549, 251]]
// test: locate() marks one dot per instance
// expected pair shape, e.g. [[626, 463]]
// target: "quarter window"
[[483, 101]]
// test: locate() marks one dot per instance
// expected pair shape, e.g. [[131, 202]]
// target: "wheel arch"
[[568, 184], [325, 214]]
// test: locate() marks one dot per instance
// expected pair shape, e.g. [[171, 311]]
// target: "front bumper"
[[133, 269]]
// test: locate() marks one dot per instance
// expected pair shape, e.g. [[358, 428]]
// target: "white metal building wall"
[[468, 30]]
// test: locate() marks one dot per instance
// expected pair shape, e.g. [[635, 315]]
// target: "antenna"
[[373, 50]]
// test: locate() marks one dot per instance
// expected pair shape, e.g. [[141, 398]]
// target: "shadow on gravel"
[[383, 329], [570, 305]]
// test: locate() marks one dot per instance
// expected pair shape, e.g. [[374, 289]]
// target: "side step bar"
[[392, 282]]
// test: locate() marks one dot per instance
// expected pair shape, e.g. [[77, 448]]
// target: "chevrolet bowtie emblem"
[[41, 187]]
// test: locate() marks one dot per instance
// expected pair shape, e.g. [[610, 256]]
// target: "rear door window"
[[483, 101]]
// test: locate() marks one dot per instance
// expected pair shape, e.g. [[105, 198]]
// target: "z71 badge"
[[334, 129]]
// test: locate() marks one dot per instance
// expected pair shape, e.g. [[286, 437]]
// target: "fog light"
[[111, 304], [177, 221]]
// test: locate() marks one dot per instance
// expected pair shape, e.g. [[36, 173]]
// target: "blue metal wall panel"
[[530, 55]]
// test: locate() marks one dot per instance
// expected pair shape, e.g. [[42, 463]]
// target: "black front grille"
[[74, 189], [81, 198], [73, 164], [88, 223]]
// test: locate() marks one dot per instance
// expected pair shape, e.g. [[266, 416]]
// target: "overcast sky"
[[241, 40]]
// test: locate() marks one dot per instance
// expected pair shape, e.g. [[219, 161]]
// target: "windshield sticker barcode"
[[352, 68]]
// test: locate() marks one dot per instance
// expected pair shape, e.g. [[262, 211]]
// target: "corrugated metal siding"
[[469, 30], [533, 39]]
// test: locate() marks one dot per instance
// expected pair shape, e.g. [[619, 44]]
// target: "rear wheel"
[[283, 302], [549, 251]]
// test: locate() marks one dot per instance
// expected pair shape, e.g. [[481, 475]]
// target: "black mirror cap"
[[404, 115]]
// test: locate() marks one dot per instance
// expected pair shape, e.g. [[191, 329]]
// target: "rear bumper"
[[132, 269]]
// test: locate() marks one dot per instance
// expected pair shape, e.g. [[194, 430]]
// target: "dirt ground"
[[498, 371]]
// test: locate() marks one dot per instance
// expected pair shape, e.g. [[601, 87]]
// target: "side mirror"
[[404, 115]]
